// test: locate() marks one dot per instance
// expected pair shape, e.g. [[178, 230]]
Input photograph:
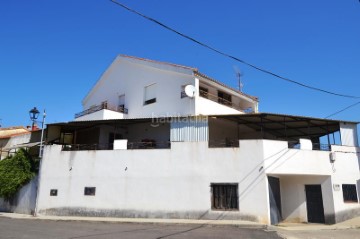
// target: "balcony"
[[223, 101], [104, 106]]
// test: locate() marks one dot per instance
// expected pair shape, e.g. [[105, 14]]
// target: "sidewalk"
[[238, 223], [349, 224]]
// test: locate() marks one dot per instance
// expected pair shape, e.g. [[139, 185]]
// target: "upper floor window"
[[224, 98], [203, 92], [104, 105], [150, 94]]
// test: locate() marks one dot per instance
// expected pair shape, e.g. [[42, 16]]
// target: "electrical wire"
[[230, 56], [339, 111]]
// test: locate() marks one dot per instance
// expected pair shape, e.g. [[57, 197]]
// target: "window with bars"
[[349, 193], [224, 196]]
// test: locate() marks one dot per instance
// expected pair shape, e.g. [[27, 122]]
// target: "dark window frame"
[[349, 193], [224, 98], [224, 196], [89, 191]]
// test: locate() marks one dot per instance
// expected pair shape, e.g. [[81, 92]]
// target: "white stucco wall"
[[24, 201], [208, 107], [345, 171], [294, 198], [296, 167], [176, 182], [129, 78], [154, 183], [279, 159]]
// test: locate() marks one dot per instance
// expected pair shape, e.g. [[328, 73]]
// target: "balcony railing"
[[130, 145], [220, 100], [120, 108], [224, 143], [315, 146]]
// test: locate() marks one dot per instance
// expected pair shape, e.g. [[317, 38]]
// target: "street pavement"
[[26, 226], [52, 229]]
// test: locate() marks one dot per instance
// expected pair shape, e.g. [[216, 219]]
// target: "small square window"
[[53, 192], [224, 196], [89, 191], [349, 193]]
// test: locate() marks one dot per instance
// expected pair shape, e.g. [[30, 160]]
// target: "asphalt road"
[[41, 229]]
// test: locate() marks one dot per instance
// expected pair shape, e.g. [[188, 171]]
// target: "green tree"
[[15, 172]]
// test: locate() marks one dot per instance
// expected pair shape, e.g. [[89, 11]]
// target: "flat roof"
[[285, 126]]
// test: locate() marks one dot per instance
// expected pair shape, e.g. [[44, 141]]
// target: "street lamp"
[[34, 114]]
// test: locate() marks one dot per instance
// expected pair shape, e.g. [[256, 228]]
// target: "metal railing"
[[120, 108], [149, 145], [315, 146], [130, 145], [220, 100]]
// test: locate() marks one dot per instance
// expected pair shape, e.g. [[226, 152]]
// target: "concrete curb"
[[236, 223]]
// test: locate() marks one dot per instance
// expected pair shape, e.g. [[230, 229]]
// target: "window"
[[53, 192], [150, 94], [89, 191], [224, 196], [349, 193], [104, 105], [203, 92], [224, 98]]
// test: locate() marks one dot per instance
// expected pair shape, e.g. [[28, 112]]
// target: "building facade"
[[172, 155]]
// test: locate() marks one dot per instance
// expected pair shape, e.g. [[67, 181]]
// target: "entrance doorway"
[[275, 200], [314, 204]]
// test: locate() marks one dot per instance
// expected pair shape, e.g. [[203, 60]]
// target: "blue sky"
[[52, 52]]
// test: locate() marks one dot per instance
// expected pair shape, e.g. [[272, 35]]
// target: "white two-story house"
[[165, 141], [135, 88]]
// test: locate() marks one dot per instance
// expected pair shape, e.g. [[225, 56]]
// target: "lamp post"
[[34, 114]]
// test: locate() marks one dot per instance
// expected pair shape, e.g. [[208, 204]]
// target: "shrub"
[[15, 172]]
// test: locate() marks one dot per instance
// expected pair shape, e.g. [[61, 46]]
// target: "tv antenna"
[[238, 77]]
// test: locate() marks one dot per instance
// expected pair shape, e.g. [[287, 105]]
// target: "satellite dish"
[[190, 91]]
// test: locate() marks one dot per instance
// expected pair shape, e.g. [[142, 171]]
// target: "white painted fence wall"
[[24, 201]]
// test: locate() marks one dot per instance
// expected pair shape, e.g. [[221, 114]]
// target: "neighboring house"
[[13, 138], [134, 88], [255, 166]]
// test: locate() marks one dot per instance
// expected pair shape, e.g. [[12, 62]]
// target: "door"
[[275, 200], [314, 204]]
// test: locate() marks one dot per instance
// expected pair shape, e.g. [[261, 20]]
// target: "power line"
[[230, 56], [348, 107]]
